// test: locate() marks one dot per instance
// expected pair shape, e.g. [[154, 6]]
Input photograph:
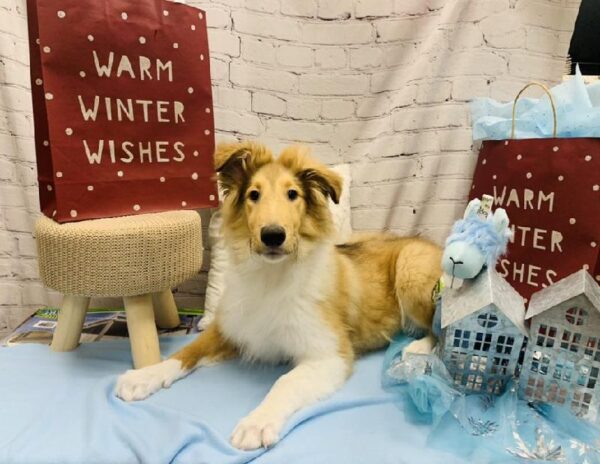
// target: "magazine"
[[99, 324]]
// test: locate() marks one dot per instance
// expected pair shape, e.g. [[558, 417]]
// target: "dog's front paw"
[[422, 346], [138, 384], [256, 431]]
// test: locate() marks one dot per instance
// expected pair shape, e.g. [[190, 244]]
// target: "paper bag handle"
[[514, 109]]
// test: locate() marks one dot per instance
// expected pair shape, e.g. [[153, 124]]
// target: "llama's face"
[[462, 260]]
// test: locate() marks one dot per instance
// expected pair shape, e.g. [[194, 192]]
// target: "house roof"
[[487, 288], [579, 283]]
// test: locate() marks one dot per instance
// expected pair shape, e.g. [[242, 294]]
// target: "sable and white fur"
[[305, 301]]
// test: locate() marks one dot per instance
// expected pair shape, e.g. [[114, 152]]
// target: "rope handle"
[[514, 109]]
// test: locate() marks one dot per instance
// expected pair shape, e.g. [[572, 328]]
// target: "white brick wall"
[[381, 84]]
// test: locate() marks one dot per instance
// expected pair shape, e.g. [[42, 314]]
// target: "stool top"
[[121, 256]]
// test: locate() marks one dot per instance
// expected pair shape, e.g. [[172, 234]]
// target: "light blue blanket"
[[60, 408]]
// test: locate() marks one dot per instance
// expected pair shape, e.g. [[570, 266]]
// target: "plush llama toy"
[[476, 241]]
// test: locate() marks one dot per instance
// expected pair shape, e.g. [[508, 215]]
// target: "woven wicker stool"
[[139, 258]]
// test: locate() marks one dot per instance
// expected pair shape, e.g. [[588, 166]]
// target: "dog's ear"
[[312, 174], [236, 162]]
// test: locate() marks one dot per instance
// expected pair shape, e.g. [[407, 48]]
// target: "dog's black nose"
[[272, 236]]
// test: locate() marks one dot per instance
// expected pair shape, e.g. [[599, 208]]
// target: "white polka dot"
[[175, 45], [58, 174], [49, 96], [49, 187], [588, 157], [124, 16], [61, 14], [73, 213], [183, 203], [201, 57], [90, 38], [595, 188], [598, 277], [47, 49], [38, 81], [519, 157], [200, 15], [211, 197], [45, 143], [473, 188], [484, 161], [593, 244], [195, 152], [494, 177], [572, 221], [120, 173], [195, 176], [206, 132], [142, 39], [69, 131], [53, 213], [506, 142], [207, 110], [82, 73], [528, 175], [561, 178], [37, 41], [165, 12], [190, 90], [162, 179], [193, 27], [585, 267], [90, 188], [136, 207], [555, 148]]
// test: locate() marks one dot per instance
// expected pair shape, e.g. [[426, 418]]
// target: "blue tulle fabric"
[[577, 107], [482, 428]]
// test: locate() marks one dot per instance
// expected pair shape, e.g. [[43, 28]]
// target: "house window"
[[576, 316], [495, 386], [540, 362], [500, 366], [487, 320], [457, 360], [581, 403], [535, 388], [555, 394], [505, 344], [474, 382], [563, 370], [570, 341], [591, 344], [478, 363], [546, 336], [482, 341], [461, 338], [587, 376]]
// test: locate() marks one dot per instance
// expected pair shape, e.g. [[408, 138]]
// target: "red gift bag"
[[122, 107], [550, 189]]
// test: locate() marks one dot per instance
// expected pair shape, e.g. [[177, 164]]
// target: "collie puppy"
[[291, 295]]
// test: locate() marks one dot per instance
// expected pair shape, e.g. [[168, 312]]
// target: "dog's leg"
[[418, 270], [305, 384], [209, 348]]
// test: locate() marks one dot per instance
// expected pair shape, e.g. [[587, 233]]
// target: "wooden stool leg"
[[70, 322], [142, 330], [165, 310]]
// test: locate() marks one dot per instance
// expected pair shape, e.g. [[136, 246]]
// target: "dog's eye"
[[292, 194], [254, 195]]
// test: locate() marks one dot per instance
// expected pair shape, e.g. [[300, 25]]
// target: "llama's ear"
[[472, 208], [500, 220]]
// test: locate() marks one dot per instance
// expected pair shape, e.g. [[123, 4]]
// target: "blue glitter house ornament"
[[483, 333], [562, 361]]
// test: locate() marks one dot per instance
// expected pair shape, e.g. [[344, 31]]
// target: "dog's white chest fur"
[[270, 311]]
